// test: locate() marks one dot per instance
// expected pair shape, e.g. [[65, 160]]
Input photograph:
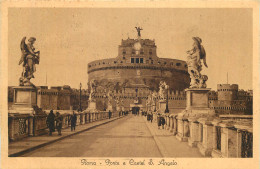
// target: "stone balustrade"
[[214, 137], [25, 125]]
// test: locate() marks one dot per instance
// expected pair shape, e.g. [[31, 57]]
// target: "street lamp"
[[167, 90], [80, 85]]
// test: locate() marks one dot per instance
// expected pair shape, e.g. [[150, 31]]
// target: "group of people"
[[52, 118], [122, 113]]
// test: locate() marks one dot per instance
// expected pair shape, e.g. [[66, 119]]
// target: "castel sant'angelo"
[[136, 71]]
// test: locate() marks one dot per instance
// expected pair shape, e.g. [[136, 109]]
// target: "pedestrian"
[[58, 123], [162, 122], [148, 117], [50, 122], [109, 114], [159, 121], [151, 117], [73, 121]]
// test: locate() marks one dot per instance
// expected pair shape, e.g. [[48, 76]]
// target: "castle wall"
[[149, 75]]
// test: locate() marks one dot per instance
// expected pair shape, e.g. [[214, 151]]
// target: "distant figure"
[[73, 120], [109, 114], [148, 117], [50, 122], [151, 117], [162, 122], [159, 122], [58, 123]]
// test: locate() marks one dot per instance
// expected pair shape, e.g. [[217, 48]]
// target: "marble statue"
[[154, 96], [29, 59], [163, 89], [110, 97], [118, 101], [196, 55], [149, 99], [93, 86]]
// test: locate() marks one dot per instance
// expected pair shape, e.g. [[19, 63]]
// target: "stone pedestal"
[[109, 107], [162, 106], [92, 105], [197, 98], [25, 99]]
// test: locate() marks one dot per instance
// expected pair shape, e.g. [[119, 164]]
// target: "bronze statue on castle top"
[[138, 31]]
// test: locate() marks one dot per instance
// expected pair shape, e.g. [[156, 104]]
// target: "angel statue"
[[154, 96], [110, 97], [29, 58], [196, 54], [93, 85], [163, 89]]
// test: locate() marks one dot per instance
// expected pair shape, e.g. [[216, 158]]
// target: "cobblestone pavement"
[[131, 136]]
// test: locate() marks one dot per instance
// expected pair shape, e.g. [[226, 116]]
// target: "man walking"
[[50, 122], [162, 122], [151, 117], [109, 114], [58, 123], [73, 121], [159, 122]]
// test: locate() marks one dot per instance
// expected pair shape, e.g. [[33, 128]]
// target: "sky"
[[70, 38]]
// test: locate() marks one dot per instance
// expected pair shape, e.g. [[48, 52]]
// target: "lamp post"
[[80, 85], [167, 90]]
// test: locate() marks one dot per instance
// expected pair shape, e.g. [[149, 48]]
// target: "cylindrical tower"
[[227, 91]]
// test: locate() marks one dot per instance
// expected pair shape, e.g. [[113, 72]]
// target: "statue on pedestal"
[[163, 89], [154, 96], [196, 54], [93, 86], [29, 58], [110, 97]]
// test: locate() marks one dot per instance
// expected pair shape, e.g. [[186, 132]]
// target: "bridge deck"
[[131, 136]]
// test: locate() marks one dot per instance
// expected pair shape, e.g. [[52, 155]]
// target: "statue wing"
[[203, 55], [23, 50]]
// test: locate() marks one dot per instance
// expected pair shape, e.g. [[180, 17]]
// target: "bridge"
[[131, 135]]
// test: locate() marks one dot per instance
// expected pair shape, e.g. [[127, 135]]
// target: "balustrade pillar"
[[31, 126]]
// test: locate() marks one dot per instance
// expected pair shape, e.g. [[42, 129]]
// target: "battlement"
[[130, 42], [227, 87]]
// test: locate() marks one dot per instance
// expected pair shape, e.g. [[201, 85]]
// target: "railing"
[[24, 125], [247, 144], [225, 136]]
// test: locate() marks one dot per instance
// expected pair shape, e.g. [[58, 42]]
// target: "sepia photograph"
[[130, 86]]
